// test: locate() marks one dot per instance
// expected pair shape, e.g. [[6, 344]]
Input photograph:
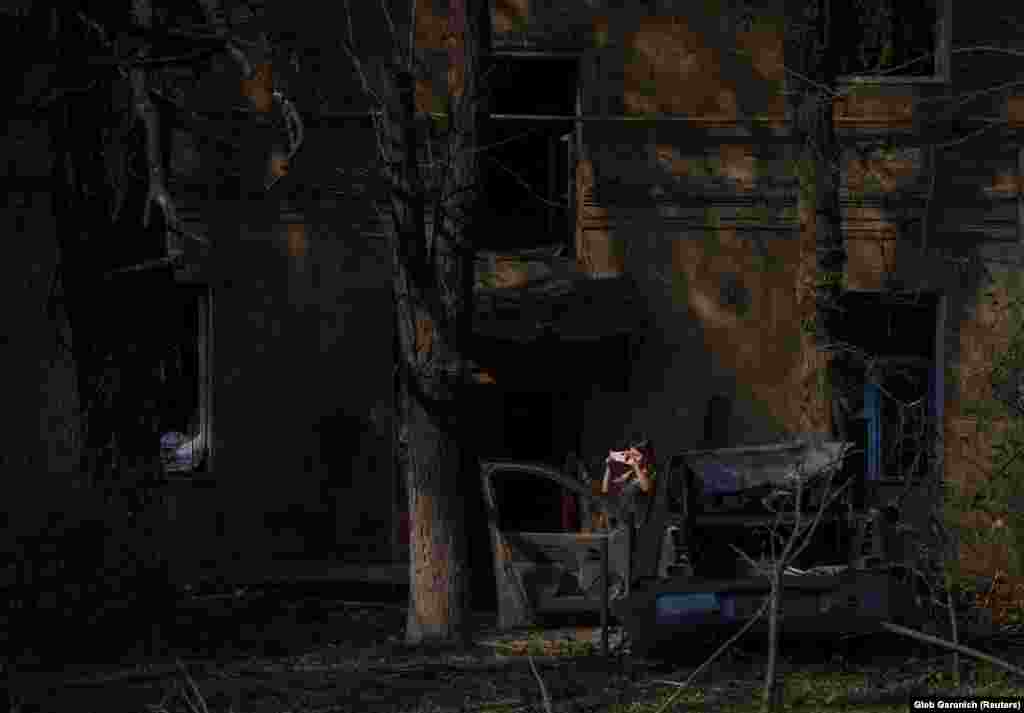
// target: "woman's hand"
[[639, 468]]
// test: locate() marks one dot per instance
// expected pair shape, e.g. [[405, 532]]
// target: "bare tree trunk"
[[830, 247], [433, 308], [83, 204], [770, 694], [439, 570], [812, 50], [427, 393]]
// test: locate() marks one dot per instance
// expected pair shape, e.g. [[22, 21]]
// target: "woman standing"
[[629, 474]]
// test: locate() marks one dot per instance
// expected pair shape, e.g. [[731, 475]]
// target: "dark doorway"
[[528, 427]]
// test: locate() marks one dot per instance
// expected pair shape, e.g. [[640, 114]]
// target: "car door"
[[543, 563]]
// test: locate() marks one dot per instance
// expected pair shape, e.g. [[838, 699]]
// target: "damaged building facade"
[[677, 176], [649, 266]]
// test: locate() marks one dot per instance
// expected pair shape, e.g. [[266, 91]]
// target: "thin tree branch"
[[962, 99], [714, 656], [412, 33], [968, 137], [349, 47], [988, 48], [540, 682], [147, 115], [793, 72], [169, 60], [892, 70], [833, 495], [294, 129], [143, 266], [95, 27], [488, 147], [830, 92], [953, 646], [58, 95], [521, 181], [390, 22], [216, 17], [928, 201], [190, 692]]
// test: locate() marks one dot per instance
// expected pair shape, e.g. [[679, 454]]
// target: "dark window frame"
[[929, 364], [203, 461], [563, 135], [884, 442], [941, 71]]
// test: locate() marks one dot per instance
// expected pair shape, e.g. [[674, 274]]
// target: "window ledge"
[[195, 480]]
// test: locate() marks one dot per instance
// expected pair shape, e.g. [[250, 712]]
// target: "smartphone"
[[618, 456]]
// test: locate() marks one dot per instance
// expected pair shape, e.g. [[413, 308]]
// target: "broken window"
[[897, 410], [185, 379], [905, 40], [529, 162], [883, 380]]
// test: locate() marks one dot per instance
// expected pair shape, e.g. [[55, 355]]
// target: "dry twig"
[[540, 682], [713, 657], [959, 648]]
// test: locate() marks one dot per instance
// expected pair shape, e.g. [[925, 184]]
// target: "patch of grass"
[[993, 681], [770, 263], [806, 691], [743, 309], [520, 23], [872, 183], [809, 689], [791, 343], [755, 214], [712, 219], [770, 23], [536, 645], [680, 288], [802, 692], [1013, 282], [712, 165], [713, 8], [803, 170]]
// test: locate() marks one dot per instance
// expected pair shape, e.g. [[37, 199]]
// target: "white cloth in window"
[[179, 452]]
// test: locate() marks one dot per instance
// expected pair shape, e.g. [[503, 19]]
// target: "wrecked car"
[[848, 580], [676, 570], [553, 548]]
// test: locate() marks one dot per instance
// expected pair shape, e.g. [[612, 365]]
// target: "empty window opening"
[[529, 162], [883, 382], [903, 39], [185, 381]]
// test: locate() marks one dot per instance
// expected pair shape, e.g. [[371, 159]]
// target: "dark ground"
[[313, 647], [338, 647]]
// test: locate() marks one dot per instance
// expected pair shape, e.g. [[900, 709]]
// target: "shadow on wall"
[[354, 460], [717, 418], [955, 261], [342, 438]]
